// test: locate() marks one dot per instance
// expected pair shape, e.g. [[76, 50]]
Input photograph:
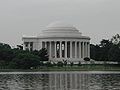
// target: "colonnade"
[[67, 49]]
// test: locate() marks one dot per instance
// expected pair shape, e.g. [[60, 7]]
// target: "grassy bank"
[[69, 68]]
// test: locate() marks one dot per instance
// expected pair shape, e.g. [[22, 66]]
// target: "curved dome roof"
[[60, 25], [60, 29]]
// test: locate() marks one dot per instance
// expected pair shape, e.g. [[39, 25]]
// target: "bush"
[[48, 64], [71, 64], [54, 64], [79, 63], [60, 64], [41, 63], [65, 62], [87, 59]]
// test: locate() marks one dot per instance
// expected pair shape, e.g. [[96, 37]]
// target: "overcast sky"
[[97, 19]]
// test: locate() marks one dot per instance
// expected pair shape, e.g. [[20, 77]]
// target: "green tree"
[[100, 52], [4, 46], [42, 54], [116, 39], [6, 53], [114, 53], [95, 52], [25, 61]]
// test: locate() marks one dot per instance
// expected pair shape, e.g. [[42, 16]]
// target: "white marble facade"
[[62, 41]]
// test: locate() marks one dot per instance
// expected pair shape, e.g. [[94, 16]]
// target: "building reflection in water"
[[68, 81]]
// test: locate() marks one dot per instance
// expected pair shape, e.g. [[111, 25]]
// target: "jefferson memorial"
[[62, 41]]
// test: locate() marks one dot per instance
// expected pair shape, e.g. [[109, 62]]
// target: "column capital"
[[55, 41], [66, 41]]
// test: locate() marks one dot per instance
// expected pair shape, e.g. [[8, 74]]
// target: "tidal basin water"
[[59, 81]]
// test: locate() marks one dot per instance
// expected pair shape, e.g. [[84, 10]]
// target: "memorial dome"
[[60, 29], [60, 26]]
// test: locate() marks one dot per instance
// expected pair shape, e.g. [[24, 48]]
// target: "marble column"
[[55, 49], [40, 45], [79, 49], [85, 49], [46, 45], [50, 50], [65, 49], [70, 49], [88, 49], [75, 49], [82, 49], [29, 46], [24, 47], [60, 49]]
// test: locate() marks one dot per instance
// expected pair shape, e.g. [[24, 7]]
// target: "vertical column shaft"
[[83, 50], [29, 46], [24, 48], [46, 45], [79, 49], [65, 49], [60, 49], [55, 50], [75, 49], [50, 50], [70, 49], [85, 47], [41, 44], [89, 50]]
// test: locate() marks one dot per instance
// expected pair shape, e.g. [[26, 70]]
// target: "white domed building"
[[62, 41]]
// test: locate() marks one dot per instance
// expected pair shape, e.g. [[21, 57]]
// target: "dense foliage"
[[24, 61], [21, 59], [107, 50]]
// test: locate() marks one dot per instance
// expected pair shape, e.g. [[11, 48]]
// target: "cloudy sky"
[[95, 18]]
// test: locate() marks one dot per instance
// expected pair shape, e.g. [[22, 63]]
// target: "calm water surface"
[[59, 81]]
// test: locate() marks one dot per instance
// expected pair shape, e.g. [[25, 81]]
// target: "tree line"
[[21, 59], [107, 50]]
